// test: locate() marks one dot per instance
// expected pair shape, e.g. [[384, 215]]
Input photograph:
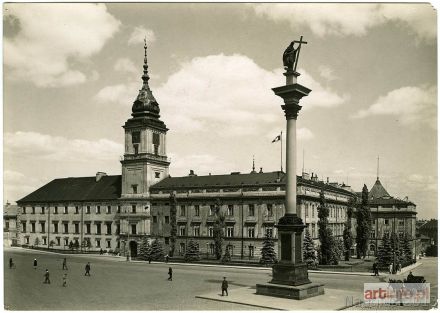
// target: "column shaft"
[[291, 167]]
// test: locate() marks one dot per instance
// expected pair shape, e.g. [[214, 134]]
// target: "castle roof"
[[378, 191], [77, 189]]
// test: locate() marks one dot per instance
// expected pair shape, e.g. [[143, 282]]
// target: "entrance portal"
[[133, 249]]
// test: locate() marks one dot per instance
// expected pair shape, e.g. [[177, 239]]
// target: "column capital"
[[291, 95]]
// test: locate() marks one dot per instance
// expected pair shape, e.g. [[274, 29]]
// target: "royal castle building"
[[116, 212]]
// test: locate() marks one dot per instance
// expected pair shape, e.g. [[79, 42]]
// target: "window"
[[196, 230], [109, 209], [44, 241], [230, 210], [42, 210], [211, 231], [133, 208], [109, 244], [182, 248], [182, 230], [33, 210], [66, 241], [76, 228], [7, 226], [135, 188], [118, 229], [76, 209], [98, 228], [386, 221], [167, 240], [55, 227], [156, 149], [157, 174], [23, 210], [251, 210], [269, 232], [27, 240], [313, 210], [251, 251], [401, 222], [58, 241], [65, 210], [109, 228], [136, 149], [182, 210], [136, 137], [269, 209], [119, 209], [98, 243], [55, 210], [230, 231], [98, 209], [32, 227], [313, 230], [133, 229], [196, 210], [88, 209], [43, 227], [66, 228], [88, 228], [373, 221], [156, 142], [211, 209], [307, 209], [23, 227], [251, 232], [154, 219], [167, 219], [372, 234]]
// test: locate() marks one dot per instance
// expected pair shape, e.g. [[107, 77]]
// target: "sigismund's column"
[[289, 275]]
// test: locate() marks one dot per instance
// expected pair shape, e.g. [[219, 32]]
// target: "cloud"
[[40, 52], [123, 94], [138, 35], [351, 19], [125, 65], [304, 134], [16, 185], [327, 73], [411, 105], [40, 146]]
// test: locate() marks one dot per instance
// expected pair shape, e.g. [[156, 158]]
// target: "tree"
[[324, 232], [76, 245], [407, 250], [385, 252], [226, 257], [347, 235], [268, 255], [309, 252], [363, 219], [156, 253], [51, 243], [192, 252], [145, 248], [395, 248], [218, 230], [71, 245], [337, 251], [37, 241], [173, 221]]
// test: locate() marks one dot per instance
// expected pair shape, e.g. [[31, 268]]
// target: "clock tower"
[[145, 162]]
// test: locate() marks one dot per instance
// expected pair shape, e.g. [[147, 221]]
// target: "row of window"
[[98, 209], [386, 221], [229, 210], [229, 231], [337, 212], [337, 229], [66, 242], [76, 225]]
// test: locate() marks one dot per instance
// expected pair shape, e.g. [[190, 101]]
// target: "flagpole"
[[281, 137]]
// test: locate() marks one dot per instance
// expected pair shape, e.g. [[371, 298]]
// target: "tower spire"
[[377, 167], [145, 77], [253, 164]]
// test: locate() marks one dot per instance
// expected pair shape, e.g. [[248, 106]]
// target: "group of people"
[[47, 273], [398, 268]]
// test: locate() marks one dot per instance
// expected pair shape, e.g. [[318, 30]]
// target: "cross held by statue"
[[291, 55]]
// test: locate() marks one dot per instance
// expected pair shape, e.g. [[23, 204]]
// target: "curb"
[[237, 302]]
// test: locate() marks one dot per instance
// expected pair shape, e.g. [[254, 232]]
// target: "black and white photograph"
[[220, 156]]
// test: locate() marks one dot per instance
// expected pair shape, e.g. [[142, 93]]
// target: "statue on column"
[[289, 56]]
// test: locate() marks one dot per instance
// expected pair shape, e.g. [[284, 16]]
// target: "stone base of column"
[[291, 292], [290, 274]]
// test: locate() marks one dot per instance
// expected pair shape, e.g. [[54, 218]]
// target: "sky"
[[72, 71]]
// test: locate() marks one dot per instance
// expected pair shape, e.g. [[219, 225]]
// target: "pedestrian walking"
[[11, 263], [391, 268], [399, 267], [224, 286], [65, 264], [167, 258], [375, 269], [170, 274], [65, 280], [87, 269], [46, 277], [35, 264]]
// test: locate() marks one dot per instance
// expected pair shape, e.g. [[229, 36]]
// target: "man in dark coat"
[[35, 264], [65, 264], [46, 277], [11, 263], [87, 269], [170, 274], [224, 286]]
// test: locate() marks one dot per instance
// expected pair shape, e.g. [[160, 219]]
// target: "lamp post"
[[128, 235]]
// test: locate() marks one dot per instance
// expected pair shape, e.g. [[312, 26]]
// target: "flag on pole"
[[277, 138]]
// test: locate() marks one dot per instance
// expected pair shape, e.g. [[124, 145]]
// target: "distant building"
[[10, 230], [429, 229]]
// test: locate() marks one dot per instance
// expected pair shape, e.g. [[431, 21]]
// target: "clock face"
[[136, 137]]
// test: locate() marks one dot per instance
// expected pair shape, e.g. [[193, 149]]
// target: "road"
[[118, 285]]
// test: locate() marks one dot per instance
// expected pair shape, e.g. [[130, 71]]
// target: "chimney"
[[261, 170], [327, 180], [306, 176], [191, 173], [100, 175], [314, 177]]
